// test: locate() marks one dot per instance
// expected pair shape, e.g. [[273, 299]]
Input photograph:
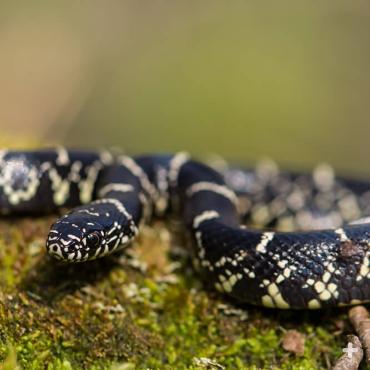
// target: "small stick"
[[353, 355], [359, 317]]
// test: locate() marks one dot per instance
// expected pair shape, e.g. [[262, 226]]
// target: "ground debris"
[[359, 317], [232, 311], [149, 310], [293, 341], [352, 357], [206, 363], [131, 259]]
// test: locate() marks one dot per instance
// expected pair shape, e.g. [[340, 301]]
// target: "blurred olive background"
[[245, 79]]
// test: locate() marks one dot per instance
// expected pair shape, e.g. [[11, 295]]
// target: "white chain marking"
[[87, 185], [19, 195], [177, 161], [119, 187], [136, 170], [62, 156], [266, 238], [204, 216], [210, 186]]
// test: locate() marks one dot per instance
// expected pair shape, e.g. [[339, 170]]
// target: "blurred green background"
[[245, 79]]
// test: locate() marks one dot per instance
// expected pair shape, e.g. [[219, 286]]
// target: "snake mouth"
[[77, 256]]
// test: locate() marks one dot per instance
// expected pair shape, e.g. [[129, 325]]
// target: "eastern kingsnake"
[[295, 269]]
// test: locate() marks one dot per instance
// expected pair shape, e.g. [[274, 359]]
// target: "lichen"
[[145, 309]]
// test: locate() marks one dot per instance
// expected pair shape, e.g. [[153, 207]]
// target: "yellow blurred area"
[[243, 79]]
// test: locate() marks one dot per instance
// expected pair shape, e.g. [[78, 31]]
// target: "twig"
[[353, 355], [360, 320]]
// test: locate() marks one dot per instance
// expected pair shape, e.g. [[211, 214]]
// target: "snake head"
[[90, 232], [75, 238]]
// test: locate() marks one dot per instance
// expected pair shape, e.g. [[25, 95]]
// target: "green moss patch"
[[147, 309]]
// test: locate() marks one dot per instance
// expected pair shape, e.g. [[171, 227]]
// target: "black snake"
[[325, 262]]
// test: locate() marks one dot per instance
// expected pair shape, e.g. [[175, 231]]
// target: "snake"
[[260, 235]]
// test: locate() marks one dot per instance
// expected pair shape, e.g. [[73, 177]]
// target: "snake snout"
[[71, 252], [66, 244]]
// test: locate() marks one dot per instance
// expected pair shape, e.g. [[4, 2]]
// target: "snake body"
[[110, 196]]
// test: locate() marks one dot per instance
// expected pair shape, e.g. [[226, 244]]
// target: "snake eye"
[[93, 239]]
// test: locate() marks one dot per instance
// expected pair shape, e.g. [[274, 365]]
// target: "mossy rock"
[[145, 308]]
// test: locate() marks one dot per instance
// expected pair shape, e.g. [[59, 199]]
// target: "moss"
[[144, 310]]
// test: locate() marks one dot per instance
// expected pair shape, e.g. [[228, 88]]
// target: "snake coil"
[[328, 265]]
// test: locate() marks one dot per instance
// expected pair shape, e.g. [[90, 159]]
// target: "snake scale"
[[320, 259]]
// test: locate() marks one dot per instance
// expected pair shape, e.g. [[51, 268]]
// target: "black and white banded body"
[[113, 195]]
